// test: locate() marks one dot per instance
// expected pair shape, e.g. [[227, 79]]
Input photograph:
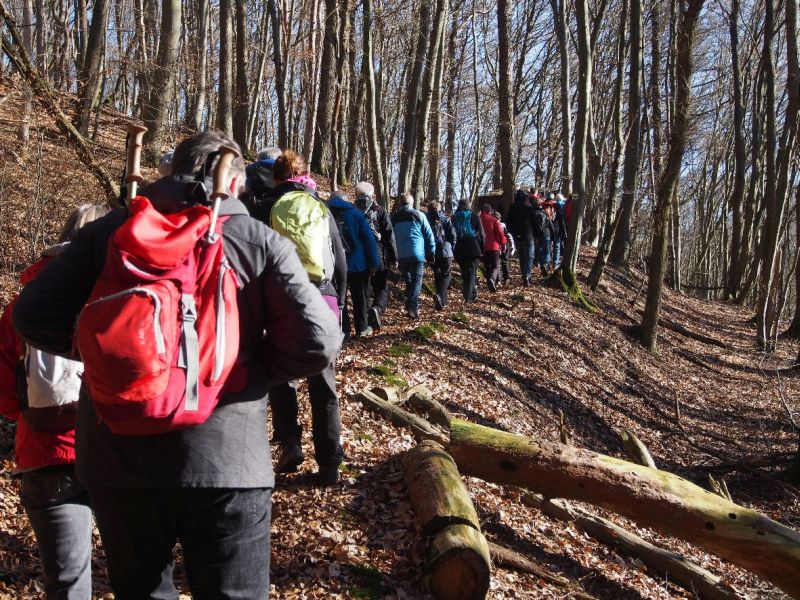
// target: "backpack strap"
[[189, 357]]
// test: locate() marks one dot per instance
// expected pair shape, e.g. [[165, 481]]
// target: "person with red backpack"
[[40, 392], [299, 215], [495, 240], [211, 308]]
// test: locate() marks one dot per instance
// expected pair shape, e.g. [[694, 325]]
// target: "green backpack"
[[303, 218]]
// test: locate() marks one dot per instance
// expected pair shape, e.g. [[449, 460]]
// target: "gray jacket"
[[287, 332]]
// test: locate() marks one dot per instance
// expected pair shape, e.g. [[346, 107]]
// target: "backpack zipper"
[[161, 346]]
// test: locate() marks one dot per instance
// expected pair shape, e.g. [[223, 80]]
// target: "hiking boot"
[[492, 285], [437, 300], [291, 456], [366, 333], [374, 318], [327, 475], [526, 281], [412, 313], [544, 271]]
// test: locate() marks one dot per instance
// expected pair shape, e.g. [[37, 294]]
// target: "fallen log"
[[422, 399], [421, 428], [457, 567], [678, 328], [458, 564], [659, 562], [650, 497]]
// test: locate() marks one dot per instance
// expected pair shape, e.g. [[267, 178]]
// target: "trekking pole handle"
[[221, 184], [133, 175]]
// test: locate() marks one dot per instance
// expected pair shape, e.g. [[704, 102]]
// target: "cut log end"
[[458, 564]]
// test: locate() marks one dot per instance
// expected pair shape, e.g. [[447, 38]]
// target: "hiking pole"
[[133, 176], [221, 184]]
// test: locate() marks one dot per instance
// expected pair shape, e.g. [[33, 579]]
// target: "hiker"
[[301, 216], [259, 194], [560, 227], [495, 239], [415, 247], [444, 234], [470, 240], [381, 226], [508, 249], [207, 485], [521, 224], [42, 399], [544, 234], [362, 259]]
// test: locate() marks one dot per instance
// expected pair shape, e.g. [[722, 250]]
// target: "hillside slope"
[[512, 360]]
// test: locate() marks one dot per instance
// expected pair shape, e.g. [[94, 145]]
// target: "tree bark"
[[241, 98], [669, 180], [89, 77], [561, 24], [620, 249], [280, 71], [225, 94], [377, 158], [652, 498], [321, 152], [154, 113], [505, 134]]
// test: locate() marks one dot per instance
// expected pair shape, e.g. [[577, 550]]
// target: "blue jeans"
[[224, 534], [544, 252], [558, 247], [412, 271], [527, 252], [58, 509]]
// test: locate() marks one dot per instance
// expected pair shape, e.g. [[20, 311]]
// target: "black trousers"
[[326, 424], [469, 276], [378, 290], [357, 283], [491, 264], [224, 534], [442, 273]]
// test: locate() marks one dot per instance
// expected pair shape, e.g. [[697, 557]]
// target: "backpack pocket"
[[127, 342]]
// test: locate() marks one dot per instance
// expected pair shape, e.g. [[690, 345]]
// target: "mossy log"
[[457, 567], [421, 398], [659, 562], [650, 497], [421, 428], [435, 488]]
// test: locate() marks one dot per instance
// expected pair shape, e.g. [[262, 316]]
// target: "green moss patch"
[[427, 332]]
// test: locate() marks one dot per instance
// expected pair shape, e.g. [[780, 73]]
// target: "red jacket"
[[495, 238], [33, 449]]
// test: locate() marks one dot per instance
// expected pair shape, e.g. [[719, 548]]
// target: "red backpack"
[[159, 335]]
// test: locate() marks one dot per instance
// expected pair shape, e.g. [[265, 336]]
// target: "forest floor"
[[512, 360]]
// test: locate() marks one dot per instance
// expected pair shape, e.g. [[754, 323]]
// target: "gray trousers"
[[58, 509]]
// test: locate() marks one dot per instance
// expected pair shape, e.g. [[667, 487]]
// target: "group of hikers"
[[139, 356]]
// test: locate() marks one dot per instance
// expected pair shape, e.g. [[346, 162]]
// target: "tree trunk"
[[321, 148], [505, 132], [620, 249], [412, 97], [225, 94], [154, 113], [27, 38], [561, 24], [458, 564], [669, 181], [422, 125], [374, 144], [241, 98], [280, 71], [89, 78], [434, 152], [652, 498]]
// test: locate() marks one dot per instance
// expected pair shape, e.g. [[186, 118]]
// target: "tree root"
[[569, 284]]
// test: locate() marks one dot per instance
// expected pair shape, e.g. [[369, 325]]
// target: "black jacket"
[[559, 226], [381, 226], [287, 332], [260, 194], [469, 248], [520, 220]]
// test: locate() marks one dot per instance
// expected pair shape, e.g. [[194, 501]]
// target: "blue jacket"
[[360, 246], [413, 235], [445, 245]]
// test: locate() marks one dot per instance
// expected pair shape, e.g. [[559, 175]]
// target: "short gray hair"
[[407, 198], [269, 153], [364, 188]]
